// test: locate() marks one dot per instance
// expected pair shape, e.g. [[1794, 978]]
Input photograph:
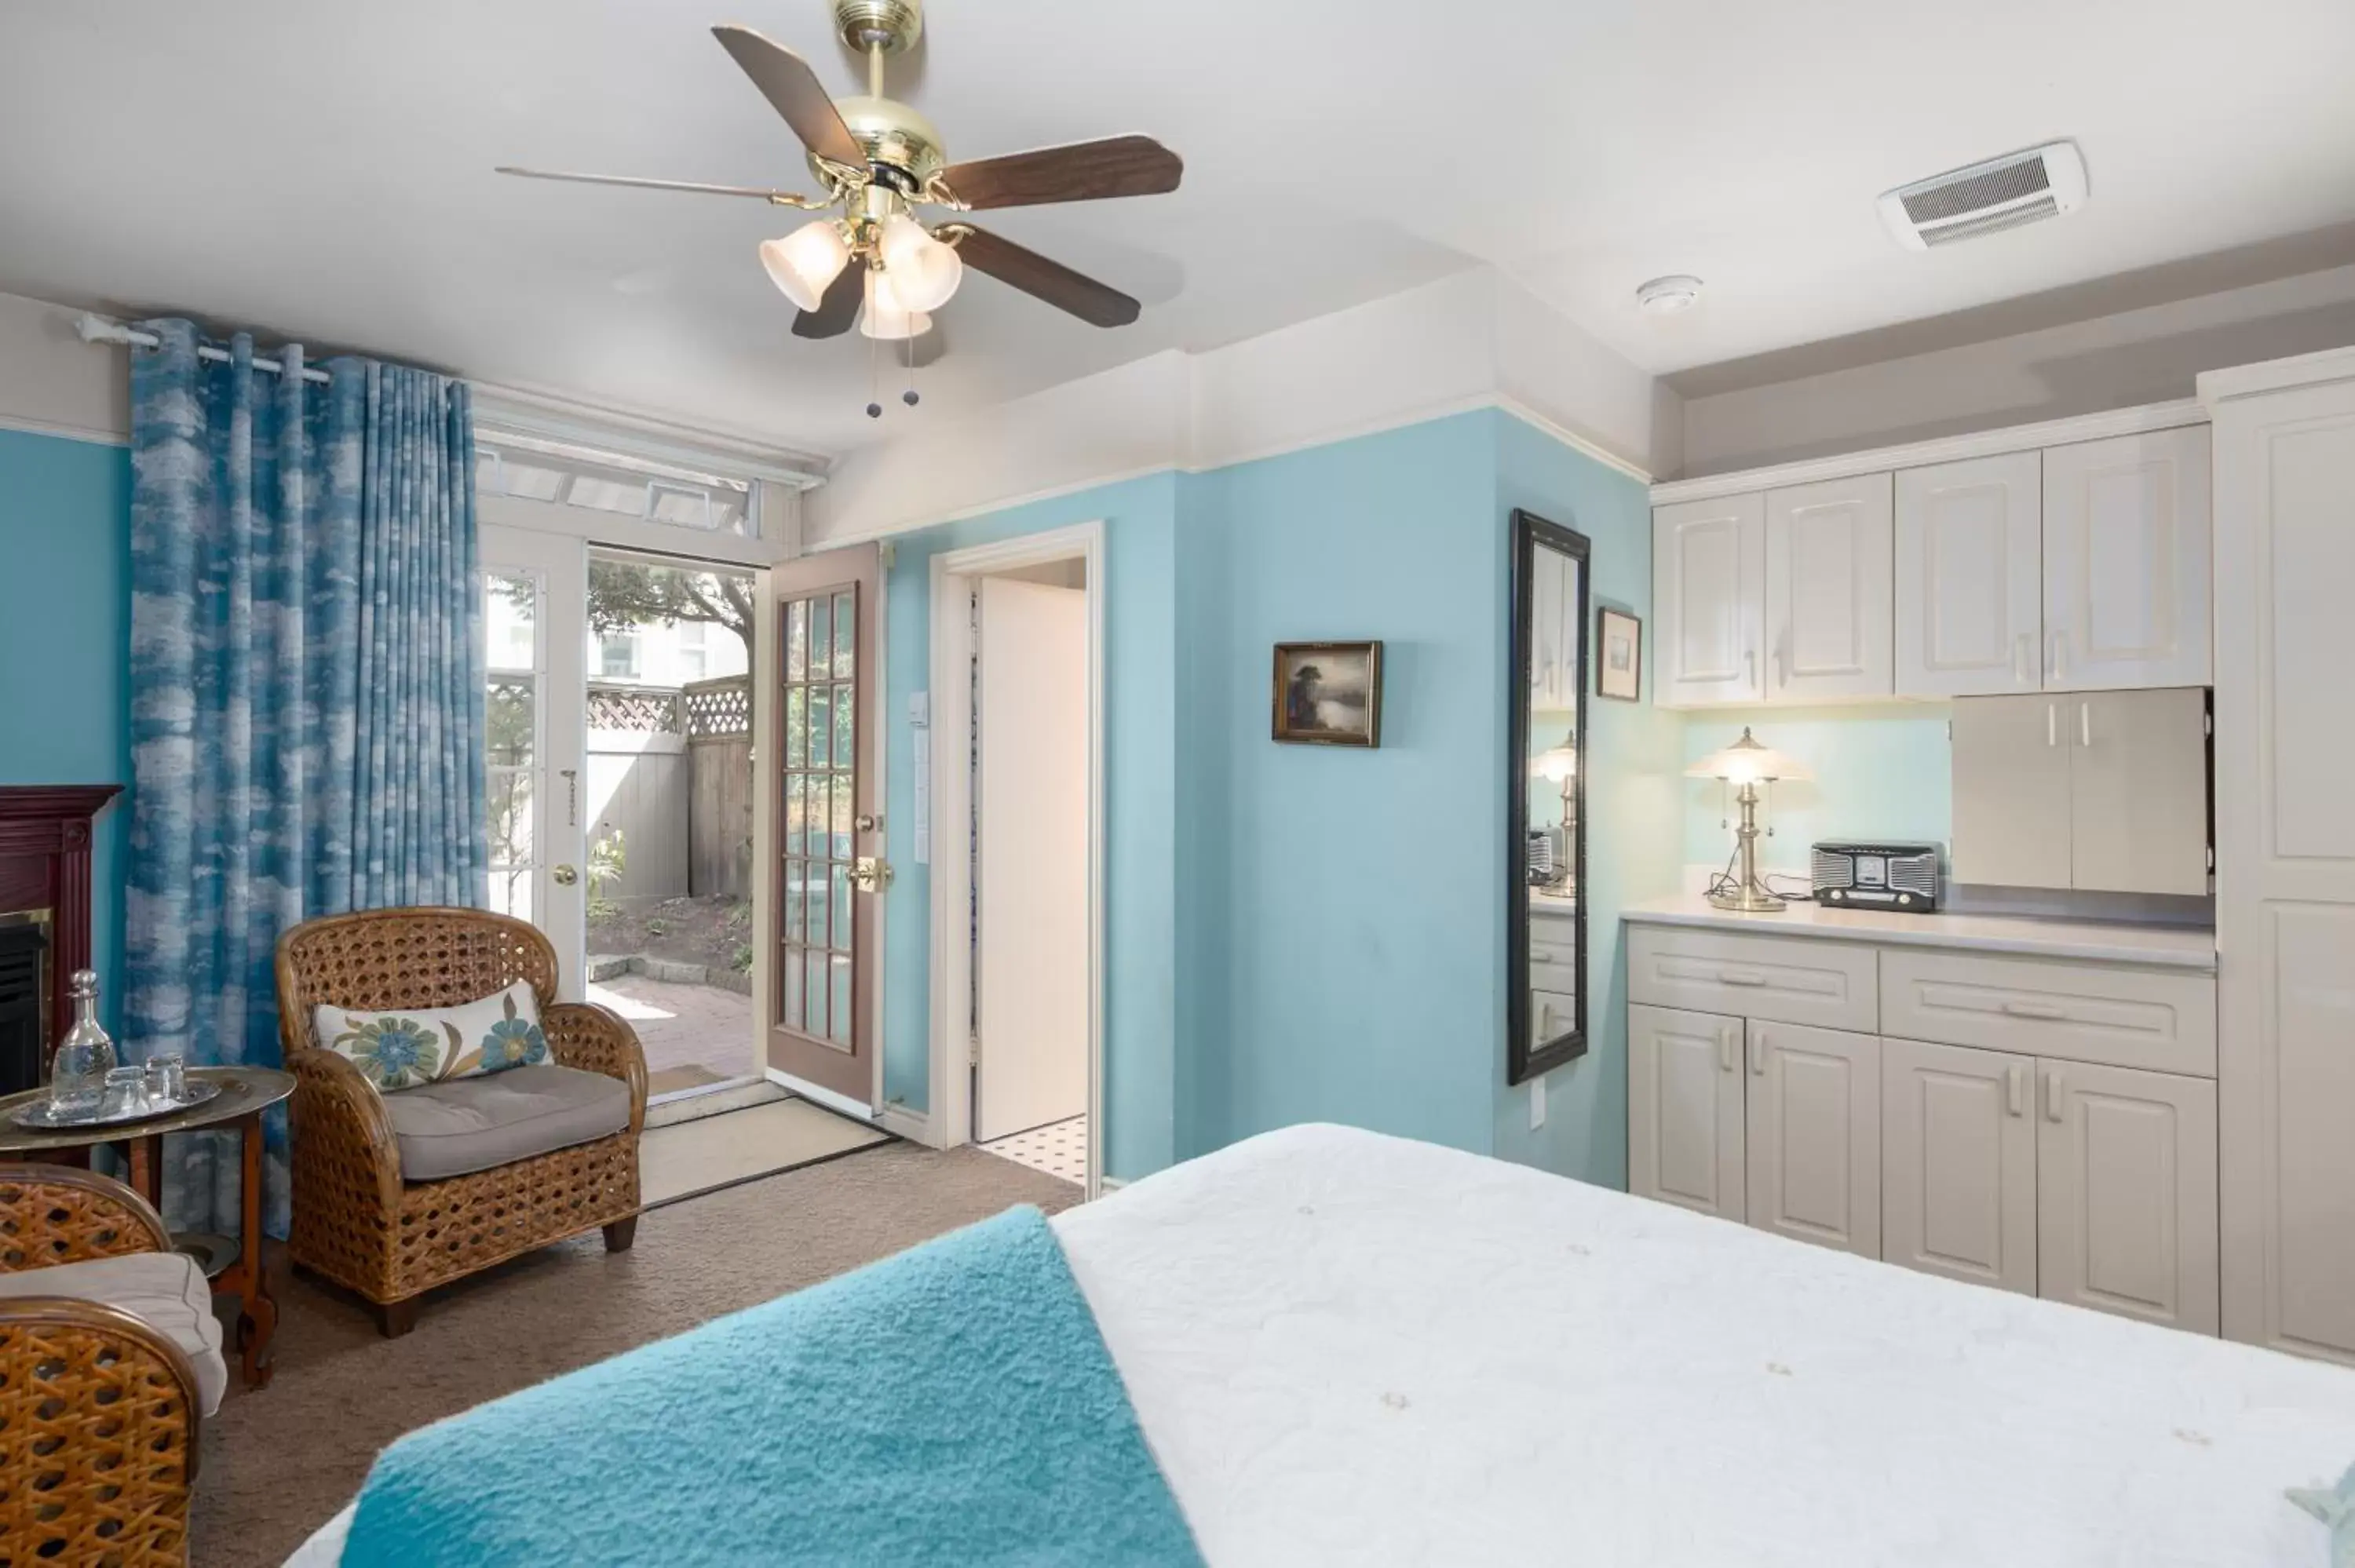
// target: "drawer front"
[[1831, 985], [2103, 1014], [1553, 954]]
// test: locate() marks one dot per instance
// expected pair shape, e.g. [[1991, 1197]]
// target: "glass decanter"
[[78, 1072]]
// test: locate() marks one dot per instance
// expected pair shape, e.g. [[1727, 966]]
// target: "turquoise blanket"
[[953, 1404]]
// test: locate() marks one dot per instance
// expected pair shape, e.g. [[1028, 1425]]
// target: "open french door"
[[534, 624], [818, 767]]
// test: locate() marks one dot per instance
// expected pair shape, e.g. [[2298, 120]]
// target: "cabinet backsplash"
[[1880, 773]]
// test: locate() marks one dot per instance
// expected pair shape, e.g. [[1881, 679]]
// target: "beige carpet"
[[277, 1464], [693, 1157], [671, 1080]]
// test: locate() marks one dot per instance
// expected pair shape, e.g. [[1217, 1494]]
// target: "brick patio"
[[683, 1026]]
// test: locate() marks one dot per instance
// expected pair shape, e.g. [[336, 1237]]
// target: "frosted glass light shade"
[[1747, 761], [886, 318], [924, 271], [805, 262], [1559, 765]]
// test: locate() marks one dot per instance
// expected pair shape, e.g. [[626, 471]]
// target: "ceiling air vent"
[[1986, 198]]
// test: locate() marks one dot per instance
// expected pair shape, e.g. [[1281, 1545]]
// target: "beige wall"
[[2146, 356]]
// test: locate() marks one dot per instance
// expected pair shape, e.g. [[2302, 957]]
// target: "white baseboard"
[[913, 1126]]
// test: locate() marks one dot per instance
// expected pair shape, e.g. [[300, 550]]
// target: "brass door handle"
[[564, 876], [869, 873]]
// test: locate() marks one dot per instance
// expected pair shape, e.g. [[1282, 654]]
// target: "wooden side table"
[[246, 1092]]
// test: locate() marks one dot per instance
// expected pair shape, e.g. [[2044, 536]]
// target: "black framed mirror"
[[1545, 785]]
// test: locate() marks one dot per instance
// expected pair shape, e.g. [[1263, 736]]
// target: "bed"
[[1344, 1348]]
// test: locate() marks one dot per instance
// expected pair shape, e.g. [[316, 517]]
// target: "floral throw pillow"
[[403, 1048]]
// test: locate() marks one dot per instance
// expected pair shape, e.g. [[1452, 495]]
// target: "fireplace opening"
[[25, 1026]]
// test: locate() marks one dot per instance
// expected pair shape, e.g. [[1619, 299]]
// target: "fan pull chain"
[[908, 397], [874, 379]]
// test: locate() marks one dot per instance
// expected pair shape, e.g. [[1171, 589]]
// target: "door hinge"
[[972, 1049]]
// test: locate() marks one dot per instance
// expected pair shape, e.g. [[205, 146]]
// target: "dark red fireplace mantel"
[[45, 864]]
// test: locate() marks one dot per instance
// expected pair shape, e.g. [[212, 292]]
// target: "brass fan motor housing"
[[895, 25], [897, 138]]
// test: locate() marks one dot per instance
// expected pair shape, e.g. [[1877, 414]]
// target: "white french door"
[[535, 622]]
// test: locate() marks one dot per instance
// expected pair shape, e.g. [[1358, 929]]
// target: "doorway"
[[1016, 770]]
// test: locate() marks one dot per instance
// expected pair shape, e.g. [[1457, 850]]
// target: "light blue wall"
[[1345, 923], [1140, 790], [1879, 772], [1634, 805], [65, 644]]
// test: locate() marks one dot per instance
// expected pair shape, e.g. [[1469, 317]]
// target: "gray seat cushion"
[[164, 1290], [461, 1125]]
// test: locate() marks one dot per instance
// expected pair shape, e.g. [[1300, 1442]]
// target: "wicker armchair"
[[354, 1220], [98, 1408]]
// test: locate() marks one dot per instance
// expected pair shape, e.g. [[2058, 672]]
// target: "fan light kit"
[[1668, 296], [873, 256]]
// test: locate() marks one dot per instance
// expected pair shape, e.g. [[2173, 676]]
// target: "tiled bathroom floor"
[[1059, 1149]]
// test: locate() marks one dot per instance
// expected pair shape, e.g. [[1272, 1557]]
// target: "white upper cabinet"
[[1827, 591], [2127, 562], [1709, 590], [1969, 584]]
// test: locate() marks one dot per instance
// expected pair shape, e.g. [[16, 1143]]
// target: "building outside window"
[[617, 656]]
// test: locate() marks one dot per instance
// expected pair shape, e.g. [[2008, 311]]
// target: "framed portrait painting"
[[1327, 694]]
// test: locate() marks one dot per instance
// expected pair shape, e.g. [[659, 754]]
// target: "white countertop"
[[2174, 947], [1543, 902]]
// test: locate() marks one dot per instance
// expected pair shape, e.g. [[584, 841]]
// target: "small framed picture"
[[1619, 656], [1329, 694]]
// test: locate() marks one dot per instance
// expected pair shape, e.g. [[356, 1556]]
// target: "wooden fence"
[[671, 769]]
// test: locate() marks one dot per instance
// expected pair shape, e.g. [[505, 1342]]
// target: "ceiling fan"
[[878, 161]]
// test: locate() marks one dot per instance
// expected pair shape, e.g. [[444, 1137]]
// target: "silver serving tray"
[[42, 1115]]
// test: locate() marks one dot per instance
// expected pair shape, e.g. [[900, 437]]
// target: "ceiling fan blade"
[[792, 88], [1097, 303], [636, 183], [1079, 171], [839, 308]]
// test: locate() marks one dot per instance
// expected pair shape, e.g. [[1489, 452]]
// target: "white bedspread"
[[1348, 1349]]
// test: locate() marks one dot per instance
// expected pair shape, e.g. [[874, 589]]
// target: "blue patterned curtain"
[[306, 692]]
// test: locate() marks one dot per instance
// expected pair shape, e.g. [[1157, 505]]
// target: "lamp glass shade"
[[1747, 761], [886, 318], [1558, 766], [924, 271], [806, 261]]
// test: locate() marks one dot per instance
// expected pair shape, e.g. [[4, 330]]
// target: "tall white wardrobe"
[[2285, 530]]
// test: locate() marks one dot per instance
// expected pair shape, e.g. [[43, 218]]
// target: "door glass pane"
[[796, 805], [843, 800], [796, 728], [509, 714], [507, 890], [790, 961], [814, 967], [511, 621], [844, 753], [817, 911], [845, 636], [821, 654], [797, 640], [840, 967], [841, 938], [821, 726], [796, 873]]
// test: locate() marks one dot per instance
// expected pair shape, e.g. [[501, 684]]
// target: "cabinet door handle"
[[2051, 1094], [1725, 1050], [1782, 668], [2059, 647], [2020, 649], [1758, 1054], [1740, 977], [2015, 1088], [2043, 1009], [1751, 658], [1542, 955], [2053, 724], [2086, 724]]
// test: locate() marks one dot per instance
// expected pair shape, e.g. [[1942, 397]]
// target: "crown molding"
[[2099, 426], [2277, 375]]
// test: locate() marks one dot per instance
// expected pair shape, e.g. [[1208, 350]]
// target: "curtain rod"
[[98, 329]]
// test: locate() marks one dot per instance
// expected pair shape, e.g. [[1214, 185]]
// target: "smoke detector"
[[1986, 198], [1666, 296]]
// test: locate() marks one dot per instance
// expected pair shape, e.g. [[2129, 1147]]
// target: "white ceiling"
[[321, 169]]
